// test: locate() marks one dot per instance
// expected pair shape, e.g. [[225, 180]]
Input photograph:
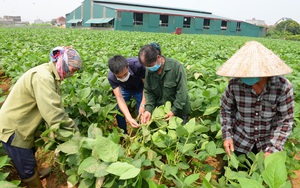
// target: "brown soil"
[[57, 179], [5, 84]]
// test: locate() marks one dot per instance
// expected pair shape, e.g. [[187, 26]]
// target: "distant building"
[[12, 20], [38, 21], [256, 22], [113, 15], [60, 21]]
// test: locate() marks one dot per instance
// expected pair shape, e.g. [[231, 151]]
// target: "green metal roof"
[[158, 10], [99, 20], [74, 21]]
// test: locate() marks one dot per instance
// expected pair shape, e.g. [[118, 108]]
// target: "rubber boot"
[[46, 172], [34, 181]]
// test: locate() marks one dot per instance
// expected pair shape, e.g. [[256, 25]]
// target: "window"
[[206, 23], [110, 24], [96, 25], [186, 22], [137, 18], [238, 26], [224, 25], [76, 24], [164, 20]]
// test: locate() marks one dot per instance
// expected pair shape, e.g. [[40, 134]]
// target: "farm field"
[[160, 154]]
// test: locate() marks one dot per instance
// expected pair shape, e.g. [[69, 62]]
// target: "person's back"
[[20, 113]]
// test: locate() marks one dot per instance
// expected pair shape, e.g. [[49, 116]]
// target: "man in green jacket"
[[35, 97], [165, 80]]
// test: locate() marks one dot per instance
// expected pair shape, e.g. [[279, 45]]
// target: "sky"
[[268, 10]]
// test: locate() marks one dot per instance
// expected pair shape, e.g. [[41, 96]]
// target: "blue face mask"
[[155, 67], [250, 81]]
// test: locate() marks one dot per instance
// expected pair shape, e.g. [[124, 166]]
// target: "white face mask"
[[124, 79]]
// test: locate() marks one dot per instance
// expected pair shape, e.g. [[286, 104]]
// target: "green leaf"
[[174, 122], [89, 165], [148, 174], [185, 148], [167, 107], [158, 141], [94, 131], [275, 173], [69, 147], [172, 170], [73, 179], [88, 143], [86, 183], [170, 155], [65, 133], [4, 161], [158, 113], [101, 171], [124, 170], [233, 161], [152, 183], [191, 179], [249, 183], [190, 126], [206, 184], [181, 131], [211, 148], [84, 93], [3, 176], [210, 110], [106, 149], [7, 184], [96, 108]]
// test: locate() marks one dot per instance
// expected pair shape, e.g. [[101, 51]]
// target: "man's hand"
[[141, 109], [133, 123], [146, 117], [267, 154], [228, 146], [169, 115]]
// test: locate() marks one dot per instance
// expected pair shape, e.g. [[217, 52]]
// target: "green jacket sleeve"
[[181, 91]]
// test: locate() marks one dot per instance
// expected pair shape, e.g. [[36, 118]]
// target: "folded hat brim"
[[253, 60]]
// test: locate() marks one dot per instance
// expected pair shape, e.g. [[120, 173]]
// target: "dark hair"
[[117, 63], [150, 53]]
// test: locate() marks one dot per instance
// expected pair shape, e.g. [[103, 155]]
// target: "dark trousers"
[[185, 119], [23, 159]]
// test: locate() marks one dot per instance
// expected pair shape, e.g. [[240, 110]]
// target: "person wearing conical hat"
[[257, 107]]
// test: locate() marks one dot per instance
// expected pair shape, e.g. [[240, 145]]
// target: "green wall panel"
[[153, 20], [98, 11], [127, 18], [199, 23]]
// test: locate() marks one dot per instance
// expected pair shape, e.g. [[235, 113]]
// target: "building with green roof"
[[148, 18]]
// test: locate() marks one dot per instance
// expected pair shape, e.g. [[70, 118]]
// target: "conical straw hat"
[[254, 60]]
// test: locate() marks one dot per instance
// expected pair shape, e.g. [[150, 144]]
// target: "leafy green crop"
[[159, 154]]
